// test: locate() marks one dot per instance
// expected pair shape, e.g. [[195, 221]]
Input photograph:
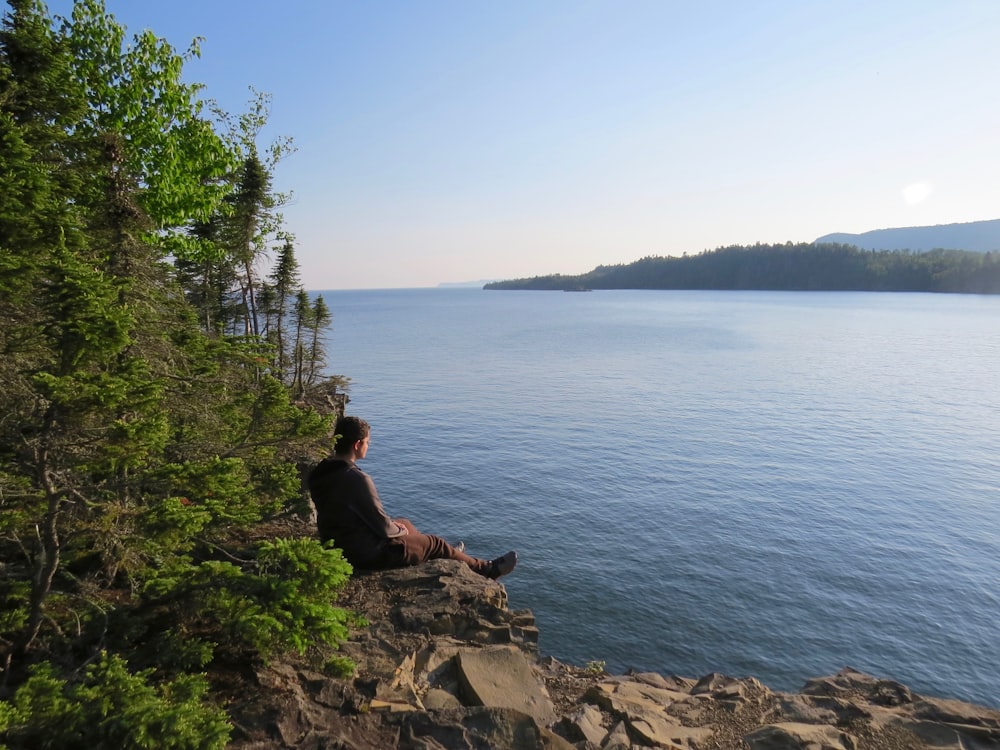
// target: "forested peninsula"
[[790, 267]]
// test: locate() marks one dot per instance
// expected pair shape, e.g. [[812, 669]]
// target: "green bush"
[[112, 708], [281, 601]]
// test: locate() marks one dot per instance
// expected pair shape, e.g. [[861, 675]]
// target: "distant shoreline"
[[803, 267]]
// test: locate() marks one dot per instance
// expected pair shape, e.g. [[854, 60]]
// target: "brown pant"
[[415, 547]]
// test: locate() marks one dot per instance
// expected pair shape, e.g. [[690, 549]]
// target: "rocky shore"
[[445, 663]]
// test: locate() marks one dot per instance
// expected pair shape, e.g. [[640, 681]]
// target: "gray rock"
[[793, 736], [849, 682], [673, 682], [729, 691], [618, 738], [437, 699], [802, 710], [663, 734], [473, 729], [957, 713], [584, 723], [503, 678], [643, 708], [950, 736], [620, 694]]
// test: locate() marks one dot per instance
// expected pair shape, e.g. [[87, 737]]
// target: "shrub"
[[281, 601], [112, 707]]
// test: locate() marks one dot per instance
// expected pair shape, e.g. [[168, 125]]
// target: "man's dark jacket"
[[349, 511]]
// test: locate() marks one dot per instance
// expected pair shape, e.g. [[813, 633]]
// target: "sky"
[[450, 141]]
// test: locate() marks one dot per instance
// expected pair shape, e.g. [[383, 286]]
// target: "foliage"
[[281, 601], [792, 267], [112, 708], [232, 295], [135, 90], [596, 667], [149, 413]]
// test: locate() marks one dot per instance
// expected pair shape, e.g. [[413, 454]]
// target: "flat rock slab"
[[503, 678], [794, 736]]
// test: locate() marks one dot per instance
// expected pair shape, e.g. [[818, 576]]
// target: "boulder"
[[503, 678]]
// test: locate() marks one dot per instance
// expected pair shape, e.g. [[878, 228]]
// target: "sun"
[[916, 193]]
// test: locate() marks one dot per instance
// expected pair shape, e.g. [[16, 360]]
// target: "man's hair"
[[349, 430]]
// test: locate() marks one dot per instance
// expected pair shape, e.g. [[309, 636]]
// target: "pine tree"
[[249, 218], [303, 317], [135, 435], [320, 322], [244, 237], [285, 285]]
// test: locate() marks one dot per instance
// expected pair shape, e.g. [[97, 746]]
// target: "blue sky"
[[459, 140]]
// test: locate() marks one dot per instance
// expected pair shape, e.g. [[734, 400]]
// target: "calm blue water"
[[766, 484]]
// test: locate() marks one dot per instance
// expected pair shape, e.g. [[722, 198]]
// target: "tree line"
[[791, 267], [158, 352]]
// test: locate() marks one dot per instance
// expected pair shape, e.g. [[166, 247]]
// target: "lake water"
[[762, 484]]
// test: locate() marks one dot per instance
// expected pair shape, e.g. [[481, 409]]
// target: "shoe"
[[502, 565]]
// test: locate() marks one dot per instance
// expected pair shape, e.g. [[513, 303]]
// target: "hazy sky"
[[458, 140]]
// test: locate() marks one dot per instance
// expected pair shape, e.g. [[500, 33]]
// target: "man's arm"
[[367, 505]]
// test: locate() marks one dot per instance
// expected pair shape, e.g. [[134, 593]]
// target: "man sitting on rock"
[[350, 514]]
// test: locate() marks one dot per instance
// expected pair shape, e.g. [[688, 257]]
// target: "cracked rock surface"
[[446, 664]]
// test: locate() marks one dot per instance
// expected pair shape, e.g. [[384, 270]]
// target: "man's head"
[[351, 431]]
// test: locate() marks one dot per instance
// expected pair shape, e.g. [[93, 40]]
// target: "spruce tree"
[[319, 322], [136, 436], [285, 285]]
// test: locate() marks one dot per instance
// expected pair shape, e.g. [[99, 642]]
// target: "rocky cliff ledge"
[[446, 664]]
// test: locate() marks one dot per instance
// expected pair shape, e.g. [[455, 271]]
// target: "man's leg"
[[419, 547]]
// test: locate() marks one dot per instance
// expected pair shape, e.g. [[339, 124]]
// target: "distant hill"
[[977, 236]]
